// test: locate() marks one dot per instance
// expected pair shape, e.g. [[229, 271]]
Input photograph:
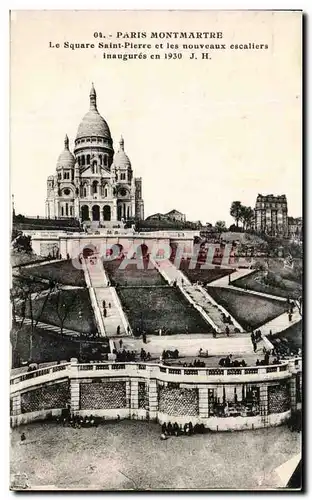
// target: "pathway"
[[46, 326], [189, 345], [101, 293], [198, 296], [241, 273], [280, 323], [224, 281]]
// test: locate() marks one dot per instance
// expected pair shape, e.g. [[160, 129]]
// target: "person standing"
[[118, 330]]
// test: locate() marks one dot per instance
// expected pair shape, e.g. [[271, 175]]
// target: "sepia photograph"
[[156, 250]]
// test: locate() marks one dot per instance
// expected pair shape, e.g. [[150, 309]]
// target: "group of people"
[[124, 355], [77, 421], [229, 362], [255, 338], [144, 356], [169, 429]]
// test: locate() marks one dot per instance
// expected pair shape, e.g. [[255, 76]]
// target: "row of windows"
[[93, 139], [95, 189], [86, 160], [66, 175], [67, 210]]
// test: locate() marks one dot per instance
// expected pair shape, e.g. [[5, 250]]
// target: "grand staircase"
[[101, 293]]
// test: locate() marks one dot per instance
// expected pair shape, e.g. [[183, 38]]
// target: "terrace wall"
[[162, 393]]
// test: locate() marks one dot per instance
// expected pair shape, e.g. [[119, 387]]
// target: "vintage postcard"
[[156, 250]]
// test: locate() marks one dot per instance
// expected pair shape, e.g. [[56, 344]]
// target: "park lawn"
[[132, 275], [62, 271], [293, 334], [75, 300], [277, 266], [203, 275], [164, 308], [19, 283], [49, 346], [290, 287], [249, 310], [22, 258]]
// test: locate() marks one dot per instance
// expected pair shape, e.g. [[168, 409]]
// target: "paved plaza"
[[130, 455]]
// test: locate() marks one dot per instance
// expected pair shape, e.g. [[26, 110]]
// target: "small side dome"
[[66, 158], [121, 160]]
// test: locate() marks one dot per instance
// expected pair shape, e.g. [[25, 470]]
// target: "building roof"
[[93, 124], [121, 160], [173, 212], [66, 158]]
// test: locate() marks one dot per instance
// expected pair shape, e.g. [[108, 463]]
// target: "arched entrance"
[[84, 212], [95, 212], [107, 212]]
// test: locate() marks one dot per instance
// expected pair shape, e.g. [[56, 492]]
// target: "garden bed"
[[62, 271], [49, 346], [203, 275], [165, 308], [249, 310], [72, 301], [288, 288]]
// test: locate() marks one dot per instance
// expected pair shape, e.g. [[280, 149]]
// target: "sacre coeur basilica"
[[93, 183]]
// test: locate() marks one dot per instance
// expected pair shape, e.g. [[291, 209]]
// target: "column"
[[153, 399], [74, 395], [128, 394], [114, 210], [293, 393], [134, 394], [16, 403], [203, 402], [264, 402]]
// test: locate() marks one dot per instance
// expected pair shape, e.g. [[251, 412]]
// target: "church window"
[[84, 191], [66, 192], [66, 208], [101, 162], [79, 161], [62, 210], [105, 159], [122, 177], [71, 210], [105, 192], [59, 176], [95, 187], [83, 161], [88, 159]]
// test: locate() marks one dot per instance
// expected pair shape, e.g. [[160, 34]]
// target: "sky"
[[201, 134]]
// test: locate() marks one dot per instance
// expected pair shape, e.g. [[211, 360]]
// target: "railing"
[[38, 373], [132, 367]]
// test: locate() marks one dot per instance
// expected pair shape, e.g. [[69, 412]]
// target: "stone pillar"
[[134, 394], [293, 393], [128, 394], [264, 402], [16, 404], [203, 402], [74, 395], [153, 399]]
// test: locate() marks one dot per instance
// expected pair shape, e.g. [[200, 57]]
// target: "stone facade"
[[271, 215], [93, 183], [223, 401]]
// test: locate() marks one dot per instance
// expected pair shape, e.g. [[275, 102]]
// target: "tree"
[[236, 211], [220, 226], [22, 243], [247, 216], [63, 306]]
